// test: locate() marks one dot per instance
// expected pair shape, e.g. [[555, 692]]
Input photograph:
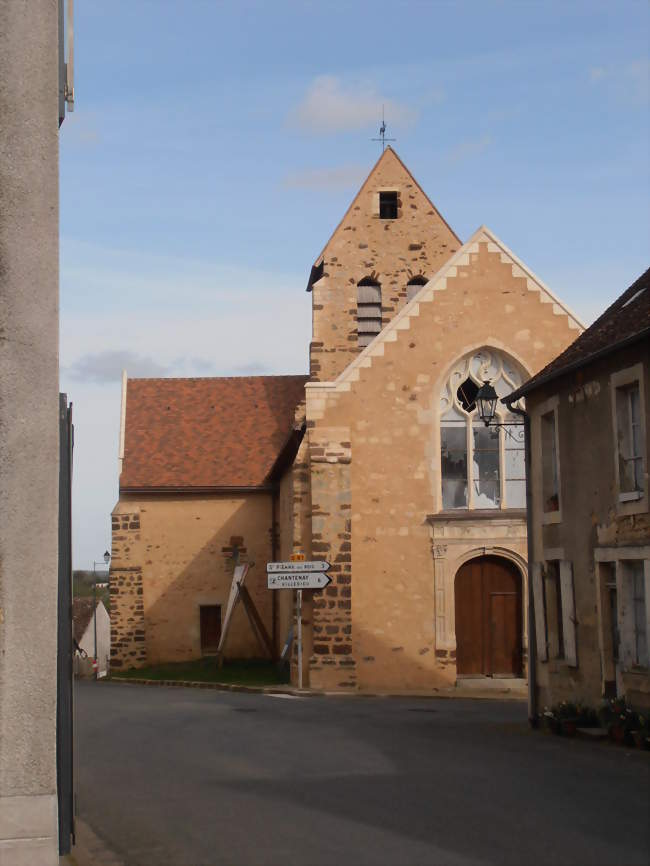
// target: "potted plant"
[[563, 718], [620, 721]]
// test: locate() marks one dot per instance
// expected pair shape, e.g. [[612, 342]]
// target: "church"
[[376, 462]]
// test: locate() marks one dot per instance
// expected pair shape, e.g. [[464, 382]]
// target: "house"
[[379, 467], [94, 643], [589, 411]]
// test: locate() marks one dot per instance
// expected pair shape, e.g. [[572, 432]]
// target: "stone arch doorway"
[[488, 601]]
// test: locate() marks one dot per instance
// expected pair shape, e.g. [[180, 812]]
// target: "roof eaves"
[[189, 490], [557, 372]]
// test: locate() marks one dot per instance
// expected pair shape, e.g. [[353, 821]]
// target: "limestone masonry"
[[382, 468]]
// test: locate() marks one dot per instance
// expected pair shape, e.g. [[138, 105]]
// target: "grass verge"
[[247, 672]]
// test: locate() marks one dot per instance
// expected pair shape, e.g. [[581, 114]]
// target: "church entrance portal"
[[488, 618]]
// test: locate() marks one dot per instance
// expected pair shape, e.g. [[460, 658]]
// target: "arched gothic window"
[[368, 310], [481, 467]]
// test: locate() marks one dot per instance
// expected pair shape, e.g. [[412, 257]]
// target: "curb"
[[220, 687], [450, 694]]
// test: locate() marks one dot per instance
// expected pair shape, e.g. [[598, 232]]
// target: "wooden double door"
[[488, 618]]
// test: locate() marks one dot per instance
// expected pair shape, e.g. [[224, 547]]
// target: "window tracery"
[[481, 467]]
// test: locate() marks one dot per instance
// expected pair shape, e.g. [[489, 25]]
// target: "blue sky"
[[214, 146]]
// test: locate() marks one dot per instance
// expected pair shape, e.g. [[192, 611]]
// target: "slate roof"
[[625, 321], [82, 613], [206, 433]]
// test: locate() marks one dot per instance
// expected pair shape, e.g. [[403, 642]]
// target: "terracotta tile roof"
[[626, 320], [82, 613], [206, 433]]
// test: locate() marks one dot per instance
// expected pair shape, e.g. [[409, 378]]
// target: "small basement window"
[[388, 205]]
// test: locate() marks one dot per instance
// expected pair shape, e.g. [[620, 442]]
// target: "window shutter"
[[375, 204], [540, 615], [568, 613]]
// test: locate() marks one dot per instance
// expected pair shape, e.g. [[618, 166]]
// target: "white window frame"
[[545, 408], [548, 645], [618, 556], [632, 502]]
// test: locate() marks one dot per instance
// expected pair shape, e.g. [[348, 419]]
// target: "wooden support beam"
[[256, 621]]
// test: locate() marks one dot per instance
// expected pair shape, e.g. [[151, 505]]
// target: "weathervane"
[[382, 132]]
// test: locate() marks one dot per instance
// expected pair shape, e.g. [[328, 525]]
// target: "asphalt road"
[[207, 778]]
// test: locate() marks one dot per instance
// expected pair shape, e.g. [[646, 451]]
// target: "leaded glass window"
[[481, 467]]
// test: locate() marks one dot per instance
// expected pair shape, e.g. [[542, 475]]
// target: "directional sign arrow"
[[296, 567], [298, 580]]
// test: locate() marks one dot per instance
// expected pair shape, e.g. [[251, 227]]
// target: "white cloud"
[[628, 82], [160, 316], [329, 106], [342, 177], [469, 148], [107, 366]]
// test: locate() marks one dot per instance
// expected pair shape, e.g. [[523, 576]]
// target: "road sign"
[[298, 580], [296, 567]]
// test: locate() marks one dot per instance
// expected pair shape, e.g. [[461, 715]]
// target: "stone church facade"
[[384, 470]]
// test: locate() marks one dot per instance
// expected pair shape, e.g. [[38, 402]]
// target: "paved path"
[[204, 778]]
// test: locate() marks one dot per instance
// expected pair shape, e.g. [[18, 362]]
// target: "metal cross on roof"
[[382, 132]]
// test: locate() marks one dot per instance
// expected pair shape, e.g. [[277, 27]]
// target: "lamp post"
[[107, 559], [486, 402]]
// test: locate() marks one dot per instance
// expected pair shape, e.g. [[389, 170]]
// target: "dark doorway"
[[488, 618], [210, 628]]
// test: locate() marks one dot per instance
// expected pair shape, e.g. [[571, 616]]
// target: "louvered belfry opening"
[[368, 310], [414, 285]]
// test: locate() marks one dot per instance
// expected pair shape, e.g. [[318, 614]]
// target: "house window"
[[637, 587], [629, 441], [413, 287], [368, 310], [481, 467], [553, 593], [388, 205], [550, 486]]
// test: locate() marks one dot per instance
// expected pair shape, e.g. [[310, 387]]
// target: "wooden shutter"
[[540, 613], [568, 613], [375, 204]]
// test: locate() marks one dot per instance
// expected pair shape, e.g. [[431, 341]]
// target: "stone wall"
[[593, 523], [375, 454], [417, 243], [332, 664], [181, 555], [128, 646]]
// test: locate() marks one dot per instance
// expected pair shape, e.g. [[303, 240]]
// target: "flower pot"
[[553, 724], [569, 727], [617, 733]]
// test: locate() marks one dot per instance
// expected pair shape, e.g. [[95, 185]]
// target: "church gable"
[[483, 296], [390, 239]]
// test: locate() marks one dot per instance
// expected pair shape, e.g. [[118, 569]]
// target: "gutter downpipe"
[[532, 638]]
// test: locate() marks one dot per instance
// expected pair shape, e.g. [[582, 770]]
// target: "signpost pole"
[[300, 639]]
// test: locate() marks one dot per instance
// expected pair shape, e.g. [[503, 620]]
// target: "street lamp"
[[107, 559], [486, 402]]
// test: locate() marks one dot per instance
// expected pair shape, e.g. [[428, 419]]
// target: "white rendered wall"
[[28, 430]]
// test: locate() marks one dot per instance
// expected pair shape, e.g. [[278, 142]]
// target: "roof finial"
[[382, 132]]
